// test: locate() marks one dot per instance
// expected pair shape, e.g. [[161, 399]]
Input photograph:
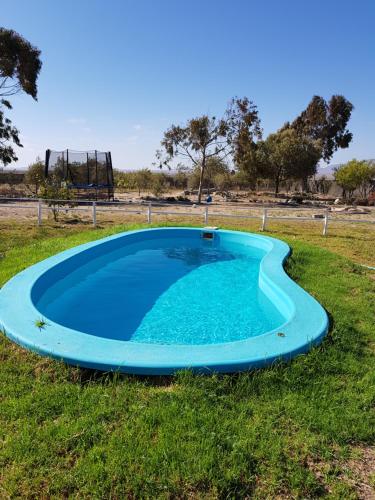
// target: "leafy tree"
[[355, 175], [241, 180], [124, 180], [143, 179], [326, 122], [181, 177], [205, 137], [307, 152], [19, 69], [251, 163], [159, 184], [35, 175], [215, 166], [244, 128], [56, 194], [7, 133], [323, 184], [285, 155], [223, 181], [320, 128]]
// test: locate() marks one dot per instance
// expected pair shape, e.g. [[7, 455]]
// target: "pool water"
[[165, 291]]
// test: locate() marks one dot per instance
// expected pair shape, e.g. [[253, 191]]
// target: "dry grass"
[[355, 241]]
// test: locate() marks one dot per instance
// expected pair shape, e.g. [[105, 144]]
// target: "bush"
[[362, 201], [56, 194], [159, 184], [35, 175]]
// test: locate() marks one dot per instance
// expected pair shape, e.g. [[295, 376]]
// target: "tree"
[[159, 184], [285, 155], [35, 175], [215, 166], [354, 175], [181, 177], [320, 128], [56, 194], [240, 180], [124, 180], [245, 131], [307, 153], [325, 122], [204, 137], [323, 184], [200, 139], [19, 69], [7, 133], [143, 179], [217, 170], [250, 163], [244, 127], [223, 181], [269, 159]]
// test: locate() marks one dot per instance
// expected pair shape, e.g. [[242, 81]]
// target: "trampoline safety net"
[[81, 170]]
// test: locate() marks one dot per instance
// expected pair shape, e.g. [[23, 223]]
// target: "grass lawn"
[[302, 430]]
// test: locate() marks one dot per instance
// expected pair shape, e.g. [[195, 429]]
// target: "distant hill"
[[17, 171], [328, 170]]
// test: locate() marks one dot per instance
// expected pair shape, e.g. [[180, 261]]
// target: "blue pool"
[[155, 301]]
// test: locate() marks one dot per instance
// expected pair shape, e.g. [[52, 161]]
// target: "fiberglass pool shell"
[[304, 321]]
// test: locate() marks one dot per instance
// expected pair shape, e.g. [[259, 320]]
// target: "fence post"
[[94, 213], [39, 212], [149, 213], [325, 225], [206, 214], [264, 219]]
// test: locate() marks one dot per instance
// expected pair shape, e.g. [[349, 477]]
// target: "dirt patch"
[[359, 472]]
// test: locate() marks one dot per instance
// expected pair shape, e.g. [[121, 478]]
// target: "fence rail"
[[154, 208]]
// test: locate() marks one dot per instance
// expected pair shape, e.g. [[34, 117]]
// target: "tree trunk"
[[277, 182], [201, 180]]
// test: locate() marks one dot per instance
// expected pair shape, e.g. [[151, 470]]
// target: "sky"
[[117, 73]]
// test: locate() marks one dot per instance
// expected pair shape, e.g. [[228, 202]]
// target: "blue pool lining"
[[306, 326]]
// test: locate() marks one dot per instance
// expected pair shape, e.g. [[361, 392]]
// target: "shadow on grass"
[[84, 376]]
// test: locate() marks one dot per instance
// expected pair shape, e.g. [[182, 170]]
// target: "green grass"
[[287, 431]]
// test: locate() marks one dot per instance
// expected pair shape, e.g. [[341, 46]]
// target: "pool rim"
[[86, 350]]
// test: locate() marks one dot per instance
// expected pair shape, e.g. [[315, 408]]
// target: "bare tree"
[[205, 137]]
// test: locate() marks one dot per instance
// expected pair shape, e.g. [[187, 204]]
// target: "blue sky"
[[117, 73]]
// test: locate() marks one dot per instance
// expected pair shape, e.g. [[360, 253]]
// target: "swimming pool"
[[158, 300]]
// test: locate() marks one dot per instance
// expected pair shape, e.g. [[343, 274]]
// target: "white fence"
[[204, 212]]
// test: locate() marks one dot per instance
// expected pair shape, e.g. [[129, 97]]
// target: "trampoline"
[[88, 174]]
